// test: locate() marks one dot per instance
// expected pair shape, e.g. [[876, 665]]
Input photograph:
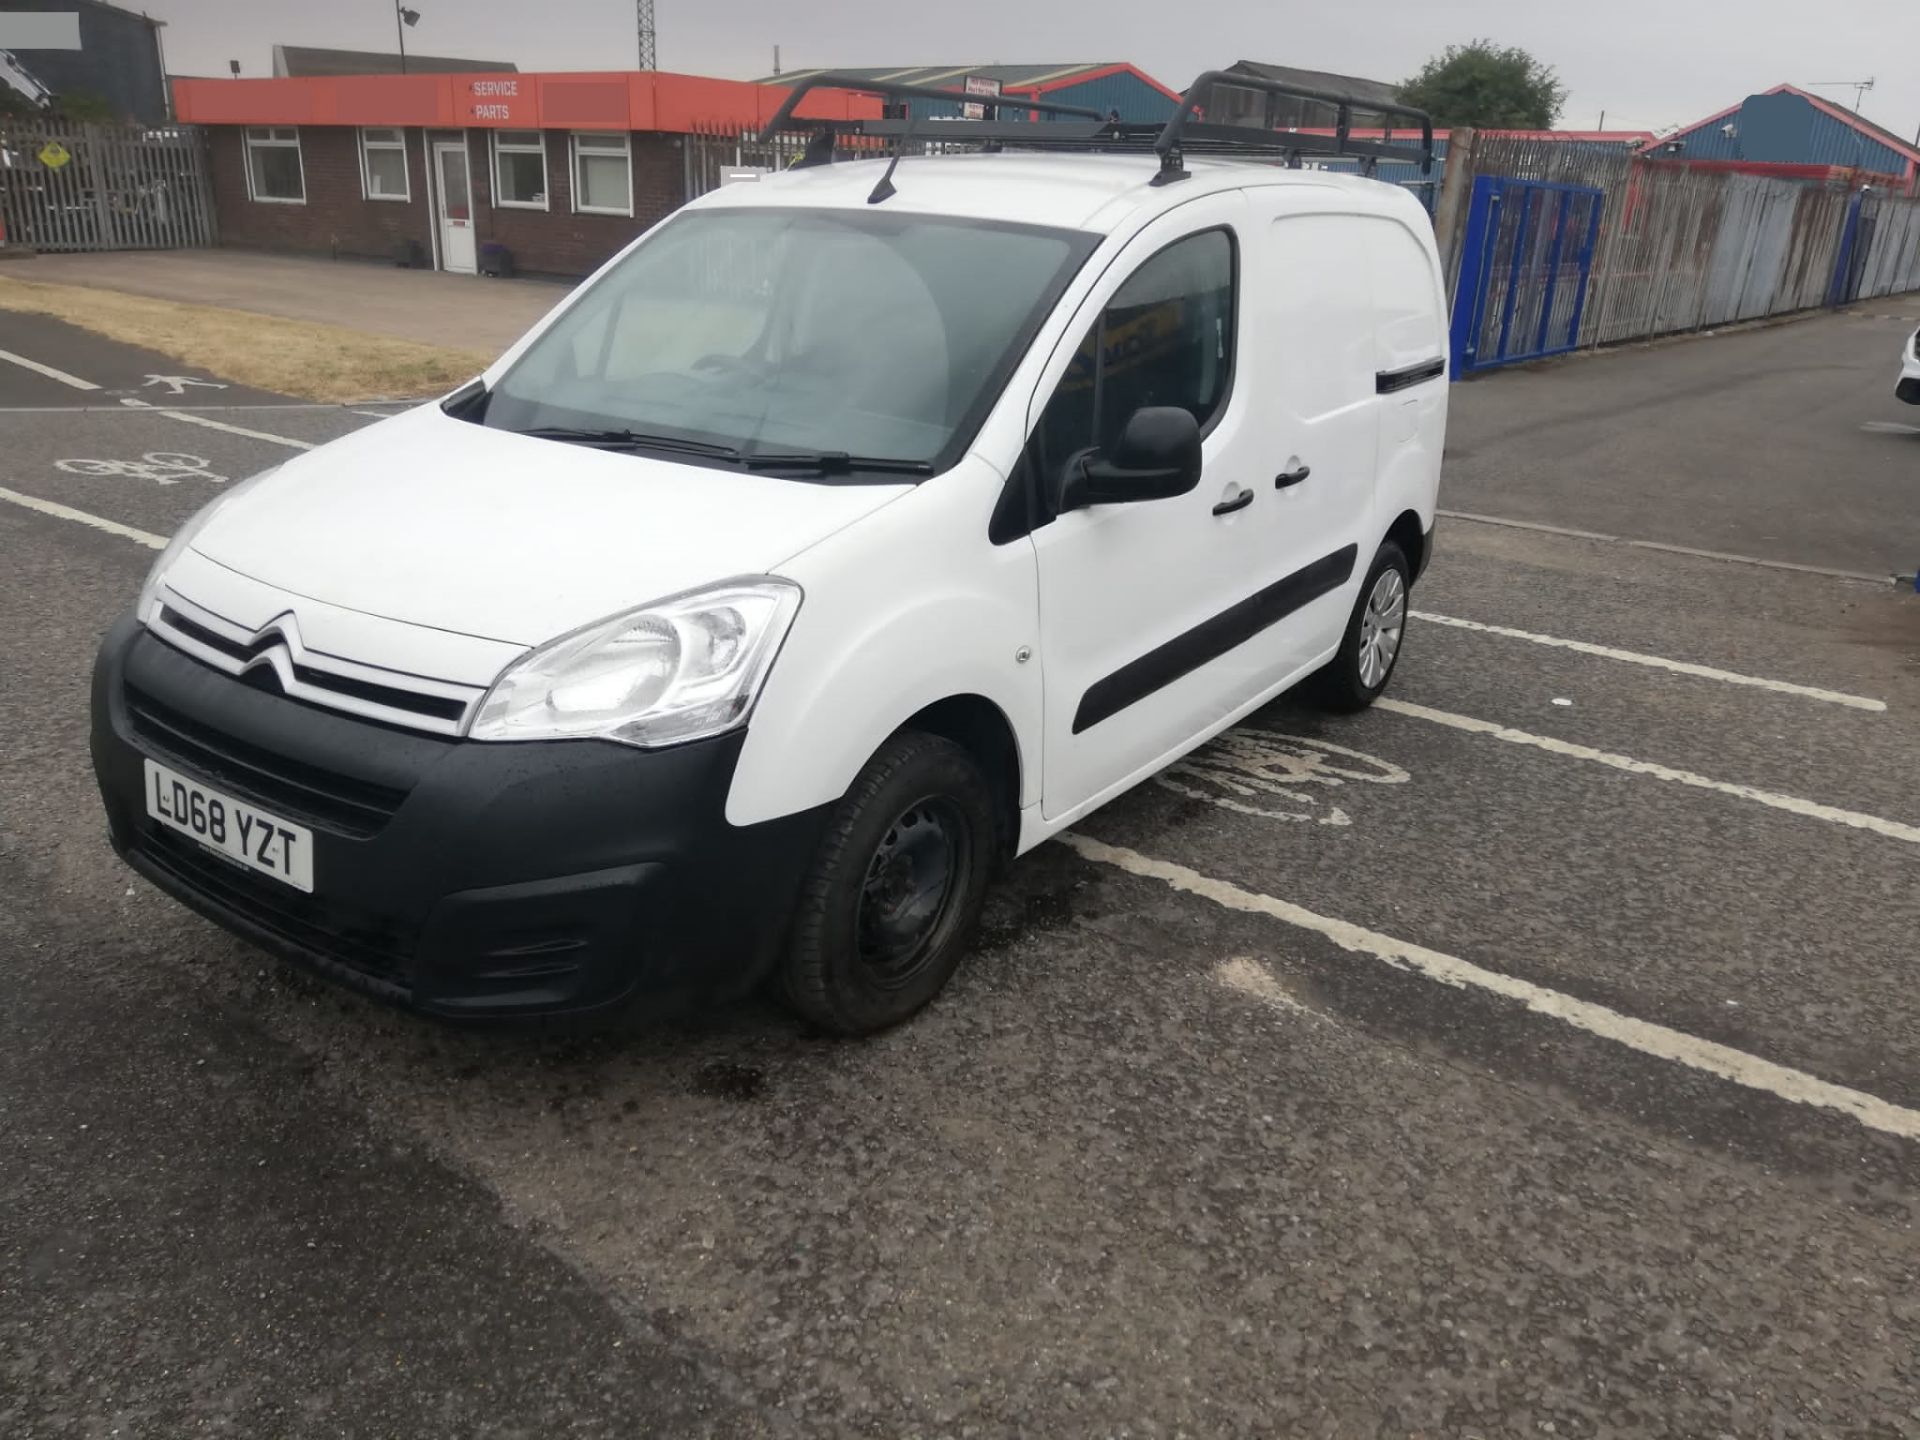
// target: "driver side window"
[[1165, 338]]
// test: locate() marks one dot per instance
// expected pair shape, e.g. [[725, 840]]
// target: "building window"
[[520, 169], [383, 165], [602, 174], [274, 169]]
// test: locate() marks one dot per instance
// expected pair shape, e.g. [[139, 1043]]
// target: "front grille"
[[368, 945], [290, 788], [435, 706], [277, 657]]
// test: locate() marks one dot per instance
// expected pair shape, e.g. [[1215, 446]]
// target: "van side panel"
[[1410, 327]]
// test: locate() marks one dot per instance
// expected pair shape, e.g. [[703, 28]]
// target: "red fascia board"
[[1098, 73], [555, 100]]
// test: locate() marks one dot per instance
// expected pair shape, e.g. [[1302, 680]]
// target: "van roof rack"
[[1075, 127]]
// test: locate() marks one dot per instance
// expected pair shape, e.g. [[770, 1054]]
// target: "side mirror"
[[1156, 457]]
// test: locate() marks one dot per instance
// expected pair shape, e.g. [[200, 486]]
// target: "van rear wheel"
[[1370, 648], [890, 903]]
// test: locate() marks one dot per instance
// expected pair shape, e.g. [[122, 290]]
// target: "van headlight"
[[679, 669], [184, 536]]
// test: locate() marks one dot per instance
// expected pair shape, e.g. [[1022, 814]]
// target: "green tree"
[[1500, 87]]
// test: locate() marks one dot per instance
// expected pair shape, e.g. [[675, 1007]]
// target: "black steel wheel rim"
[[911, 895]]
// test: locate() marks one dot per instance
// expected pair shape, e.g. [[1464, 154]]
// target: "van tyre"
[[1370, 649], [889, 905]]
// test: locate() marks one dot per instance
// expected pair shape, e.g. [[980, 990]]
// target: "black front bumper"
[[460, 878]]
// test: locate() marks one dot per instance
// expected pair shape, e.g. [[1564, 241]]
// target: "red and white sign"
[[496, 100], [977, 85]]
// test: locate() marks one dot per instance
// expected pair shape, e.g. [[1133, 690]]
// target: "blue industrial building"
[[1788, 126], [1111, 87]]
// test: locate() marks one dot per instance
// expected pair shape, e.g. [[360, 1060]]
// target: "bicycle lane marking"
[[1659, 1041], [1250, 770], [1567, 749], [162, 467], [1658, 662]]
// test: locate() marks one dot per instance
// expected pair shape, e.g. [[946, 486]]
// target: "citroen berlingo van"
[[853, 531]]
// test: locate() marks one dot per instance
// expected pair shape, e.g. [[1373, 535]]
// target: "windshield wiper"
[[834, 462], [818, 462], [630, 440]]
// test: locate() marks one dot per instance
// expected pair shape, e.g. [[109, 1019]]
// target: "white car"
[[846, 536], [1908, 388]]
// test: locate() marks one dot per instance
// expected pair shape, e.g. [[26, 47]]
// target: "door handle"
[[1291, 477], [1237, 502]]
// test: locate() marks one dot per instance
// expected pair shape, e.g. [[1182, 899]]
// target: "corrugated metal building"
[[119, 58], [1108, 87], [1788, 126]]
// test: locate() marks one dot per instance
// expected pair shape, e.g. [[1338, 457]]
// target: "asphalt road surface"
[[1534, 1054]]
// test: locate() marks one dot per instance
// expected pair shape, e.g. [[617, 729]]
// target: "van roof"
[[1071, 190]]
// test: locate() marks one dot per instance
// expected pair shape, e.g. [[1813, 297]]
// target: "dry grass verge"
[[288, 357]]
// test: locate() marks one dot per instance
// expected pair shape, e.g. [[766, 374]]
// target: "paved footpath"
[[465, 312]]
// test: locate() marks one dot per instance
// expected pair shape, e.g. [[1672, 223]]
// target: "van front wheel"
[[1370, 648], [889, 905]]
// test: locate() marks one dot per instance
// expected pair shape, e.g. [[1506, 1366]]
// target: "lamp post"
[[402, 19]]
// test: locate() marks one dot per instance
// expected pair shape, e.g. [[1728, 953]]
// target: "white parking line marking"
[[241, 430], [1658, 1041], [47, 370], [67, 512], [1659, 662], [1812, 809], [1730, 558], [1524, 525]]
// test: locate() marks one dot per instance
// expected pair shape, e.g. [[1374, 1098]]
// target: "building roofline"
[[1827, 107], [619, 100]]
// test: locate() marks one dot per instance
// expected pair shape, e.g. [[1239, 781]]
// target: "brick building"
[[542, 173]]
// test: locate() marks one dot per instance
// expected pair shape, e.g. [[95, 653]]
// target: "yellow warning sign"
[[53, 155]]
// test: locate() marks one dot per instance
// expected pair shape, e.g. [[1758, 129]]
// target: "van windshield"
[[764, 337]]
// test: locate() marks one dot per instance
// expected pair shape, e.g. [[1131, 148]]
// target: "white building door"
[[455, 194]]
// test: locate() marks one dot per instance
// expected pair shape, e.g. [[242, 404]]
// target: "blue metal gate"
[[1856, 240], [1525, 265]]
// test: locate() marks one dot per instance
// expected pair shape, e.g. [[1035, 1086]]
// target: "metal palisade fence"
[[66, 186], [1674, 248], [720, 155]]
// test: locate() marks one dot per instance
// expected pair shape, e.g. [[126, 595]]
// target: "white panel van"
[[852, 532]]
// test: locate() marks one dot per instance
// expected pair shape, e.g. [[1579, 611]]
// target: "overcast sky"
[[1648, 65]]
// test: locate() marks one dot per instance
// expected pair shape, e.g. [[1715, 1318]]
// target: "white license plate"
[[231, 827]]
